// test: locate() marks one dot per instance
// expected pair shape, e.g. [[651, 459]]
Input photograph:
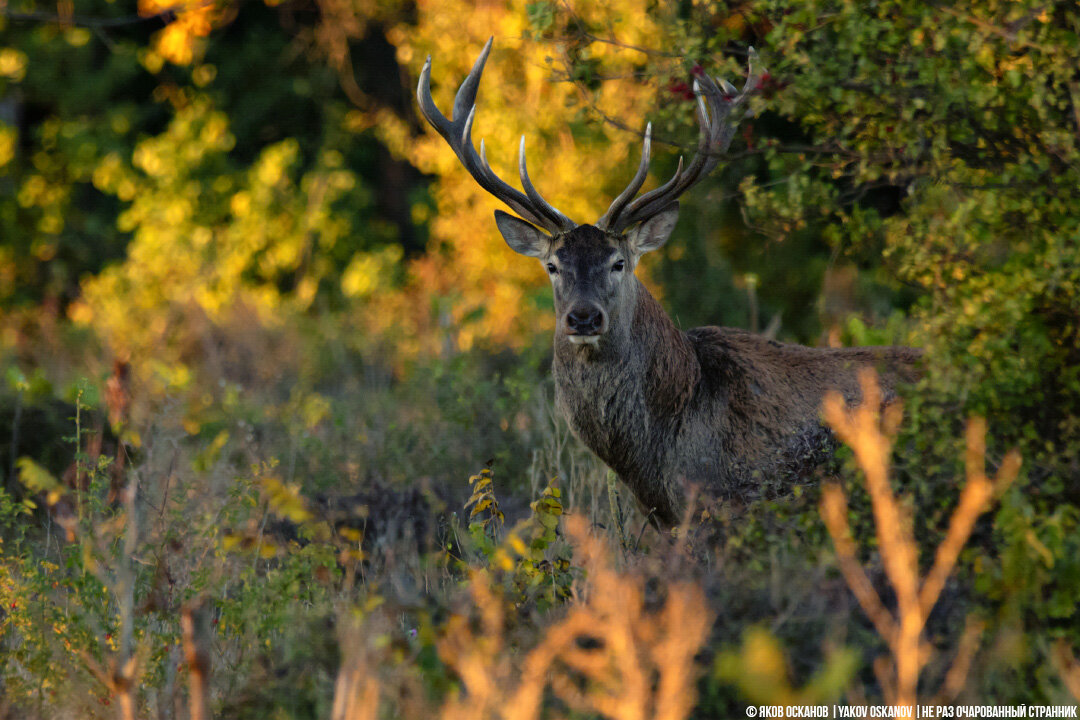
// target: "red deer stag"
[[717, 407]]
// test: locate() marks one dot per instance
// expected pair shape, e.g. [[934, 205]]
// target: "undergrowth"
[[306, 560]]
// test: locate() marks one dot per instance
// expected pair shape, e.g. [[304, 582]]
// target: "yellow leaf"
[[518, 545], [351, 534], [89, 561], [480, 507], [36, 478], [503, 560]]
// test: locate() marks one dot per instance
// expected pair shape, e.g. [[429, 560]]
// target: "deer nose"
[[585, 320]]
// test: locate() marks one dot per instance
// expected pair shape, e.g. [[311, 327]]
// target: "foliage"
[[256, 325], [536, 566], [760, 670]]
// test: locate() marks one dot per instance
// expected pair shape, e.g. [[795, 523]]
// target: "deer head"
[[591, 266]]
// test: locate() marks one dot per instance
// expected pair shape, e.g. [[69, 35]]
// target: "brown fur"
[[717, 407]]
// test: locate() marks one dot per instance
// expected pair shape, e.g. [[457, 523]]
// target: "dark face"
[[591, 270]]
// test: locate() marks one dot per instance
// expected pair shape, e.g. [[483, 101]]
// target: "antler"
[[458, 133], [715, 104]]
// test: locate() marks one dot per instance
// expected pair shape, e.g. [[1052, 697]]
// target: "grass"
[[443, 547]]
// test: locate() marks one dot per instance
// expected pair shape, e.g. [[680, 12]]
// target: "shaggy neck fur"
[[623, 396]]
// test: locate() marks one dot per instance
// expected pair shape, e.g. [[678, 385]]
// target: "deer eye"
[[552, 269], [619, 266]]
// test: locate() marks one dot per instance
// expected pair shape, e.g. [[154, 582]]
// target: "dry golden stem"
[[639, 665], [860, 429], [975, 453], [197, 658], [885, 672], [356, 694], [118, 680], [476, 658], [834, 511], [973, 500], [356, 689], [958, 671], [870, 439], [1068, 667], [683, 623], [556, 641], [126, 705]]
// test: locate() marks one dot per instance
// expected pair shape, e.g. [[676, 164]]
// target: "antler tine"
[[465, 97], [485, 177], [458, 135], [631, 190], [546, 208], [715, 104]]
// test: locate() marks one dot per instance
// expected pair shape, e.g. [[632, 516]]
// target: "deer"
[[671, 412]]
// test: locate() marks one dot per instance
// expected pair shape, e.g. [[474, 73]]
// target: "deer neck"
[[631, 385], [670, 371]]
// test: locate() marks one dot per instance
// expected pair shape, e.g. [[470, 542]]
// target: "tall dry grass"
[[612, 653]]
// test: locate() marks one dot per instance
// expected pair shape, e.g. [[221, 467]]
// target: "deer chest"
[[607, 412]]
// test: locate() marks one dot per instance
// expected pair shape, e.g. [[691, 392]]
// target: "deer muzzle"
[[585, 322]]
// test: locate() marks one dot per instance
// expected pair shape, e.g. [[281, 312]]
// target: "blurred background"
[[236, 264]]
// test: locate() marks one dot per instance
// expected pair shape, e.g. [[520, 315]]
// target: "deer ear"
[[653, 232], [521, 236]]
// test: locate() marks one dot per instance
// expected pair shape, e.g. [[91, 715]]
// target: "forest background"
[[260, 341]]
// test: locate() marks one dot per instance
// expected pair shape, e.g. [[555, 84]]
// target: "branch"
[[86, 21], [1008, 33], [958, 671], [834, 512]]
